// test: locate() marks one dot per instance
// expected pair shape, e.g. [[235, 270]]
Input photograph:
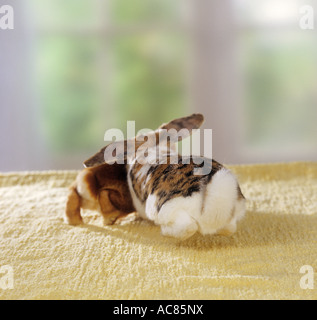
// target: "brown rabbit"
[[103, 188]]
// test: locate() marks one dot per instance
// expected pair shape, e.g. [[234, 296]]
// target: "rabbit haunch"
[[171, 195], [103, 188]]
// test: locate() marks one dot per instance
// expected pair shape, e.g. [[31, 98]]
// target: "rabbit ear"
[[113, 152], [96, 159], [181, 128], [175, 130], [191, 122]]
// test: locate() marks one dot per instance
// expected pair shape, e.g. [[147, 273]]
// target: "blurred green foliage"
[[145, 11], [280, 70], [149, 79], [102, 63], [91, 79], [69, 96]]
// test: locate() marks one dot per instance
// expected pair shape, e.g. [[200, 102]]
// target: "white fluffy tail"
[[222, 208]]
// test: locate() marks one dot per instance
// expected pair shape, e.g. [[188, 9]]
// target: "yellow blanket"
[[43, 258]]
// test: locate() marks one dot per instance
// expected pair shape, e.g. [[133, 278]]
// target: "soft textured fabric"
[[52, 260]]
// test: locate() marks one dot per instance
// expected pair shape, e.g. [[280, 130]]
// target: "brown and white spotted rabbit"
[[182, 195]]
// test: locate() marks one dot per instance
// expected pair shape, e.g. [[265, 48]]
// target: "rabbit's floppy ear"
[[113, 152], [96, 159]]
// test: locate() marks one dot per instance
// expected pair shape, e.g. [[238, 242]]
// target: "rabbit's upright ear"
[[181, 128], [191, 122]]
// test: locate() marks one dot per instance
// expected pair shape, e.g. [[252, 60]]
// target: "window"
[[278, 68], [101, 63], [71, 69]]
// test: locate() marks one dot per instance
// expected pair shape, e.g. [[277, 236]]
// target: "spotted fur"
[[168, 181], [175, 198]]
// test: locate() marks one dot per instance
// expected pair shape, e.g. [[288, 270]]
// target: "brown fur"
[[103, 188], [168, 181]]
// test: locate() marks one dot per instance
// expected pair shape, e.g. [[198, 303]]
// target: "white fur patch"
[[218, 210], [82, 188], [220, 203], [178, 217], [138, 205], [150, 207], [88, 201]]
